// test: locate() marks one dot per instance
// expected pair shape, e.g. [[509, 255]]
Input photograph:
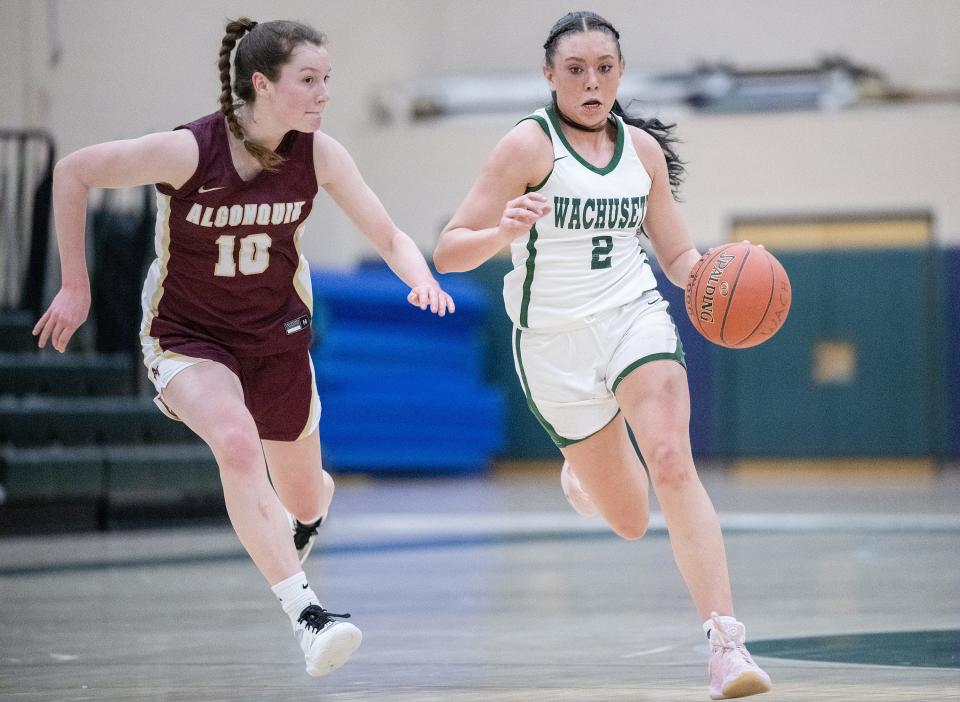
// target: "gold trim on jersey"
[[301, 279], [153, 286]]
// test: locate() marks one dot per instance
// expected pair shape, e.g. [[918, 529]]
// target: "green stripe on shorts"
[[554, 436], [677, 356]]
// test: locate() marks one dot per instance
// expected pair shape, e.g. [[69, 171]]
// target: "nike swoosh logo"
[[209, 190], [558, 158]]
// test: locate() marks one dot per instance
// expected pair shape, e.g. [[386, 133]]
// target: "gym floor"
[[493, 590]]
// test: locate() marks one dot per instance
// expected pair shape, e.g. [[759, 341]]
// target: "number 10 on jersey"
[[253, 258]]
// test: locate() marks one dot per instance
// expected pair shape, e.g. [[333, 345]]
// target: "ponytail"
[[665, 137], [267, 158]]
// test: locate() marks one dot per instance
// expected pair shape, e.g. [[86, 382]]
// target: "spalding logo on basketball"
[[738, 295]]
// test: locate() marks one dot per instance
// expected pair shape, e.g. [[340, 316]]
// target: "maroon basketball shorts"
[[280, 391]]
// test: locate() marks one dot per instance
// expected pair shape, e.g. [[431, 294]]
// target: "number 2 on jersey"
[[602, 246], [254, 255]]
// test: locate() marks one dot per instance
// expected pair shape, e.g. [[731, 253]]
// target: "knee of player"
[[236, 448], [311, 502], [670, 466]]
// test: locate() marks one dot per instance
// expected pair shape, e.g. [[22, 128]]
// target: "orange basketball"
[[738, 295]]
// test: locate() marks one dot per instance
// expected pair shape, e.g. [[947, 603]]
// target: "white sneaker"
[[575, 494], [732, 671], [326, 644]]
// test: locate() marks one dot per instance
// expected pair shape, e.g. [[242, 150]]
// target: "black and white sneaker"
[[326, 643], [304, 536]]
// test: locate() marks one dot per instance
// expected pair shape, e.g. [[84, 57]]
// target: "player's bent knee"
[[308, 502], [309, 507]]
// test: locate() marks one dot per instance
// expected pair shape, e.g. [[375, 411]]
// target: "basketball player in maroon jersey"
[[227, 303]]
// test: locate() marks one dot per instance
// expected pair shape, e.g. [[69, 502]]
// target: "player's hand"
[[66, 313], [521, 214], [431, 295]]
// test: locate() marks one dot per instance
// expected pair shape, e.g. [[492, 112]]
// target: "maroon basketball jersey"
[[229, 267]]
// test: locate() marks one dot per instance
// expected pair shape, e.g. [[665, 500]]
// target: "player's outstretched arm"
[[166, 157], [338, 174]]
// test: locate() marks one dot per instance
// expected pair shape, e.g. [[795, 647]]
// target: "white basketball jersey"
[[585, 256]]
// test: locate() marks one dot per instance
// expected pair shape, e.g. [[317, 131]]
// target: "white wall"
[[24, 65], [11, 67], [131, 66], [912, 42], [883, 159]]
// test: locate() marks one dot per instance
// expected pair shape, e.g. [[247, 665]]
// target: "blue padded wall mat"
[[366, 343], [402, 389], [377, 295]]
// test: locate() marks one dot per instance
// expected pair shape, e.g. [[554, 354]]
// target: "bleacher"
[[81, 449], [402, 391], [83, 446]]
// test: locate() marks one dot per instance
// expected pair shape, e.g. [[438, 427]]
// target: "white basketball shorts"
[[569, 377]]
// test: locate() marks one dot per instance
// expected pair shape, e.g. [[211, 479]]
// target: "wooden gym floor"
[[492, 590]]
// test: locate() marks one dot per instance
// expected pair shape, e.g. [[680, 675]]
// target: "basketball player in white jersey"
[[568, 189]]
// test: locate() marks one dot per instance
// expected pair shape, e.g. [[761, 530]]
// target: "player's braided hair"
[[584, 21], [265, 49]]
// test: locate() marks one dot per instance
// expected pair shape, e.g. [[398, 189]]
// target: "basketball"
[[738, 295]]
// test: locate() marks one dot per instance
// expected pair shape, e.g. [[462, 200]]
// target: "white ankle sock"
[[294, 594], [708, 625]]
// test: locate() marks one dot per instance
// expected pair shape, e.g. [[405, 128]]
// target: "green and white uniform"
[[581, 295], [584, 257]]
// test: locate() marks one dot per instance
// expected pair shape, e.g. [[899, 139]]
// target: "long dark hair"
[[584, 21], [266, 48]]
